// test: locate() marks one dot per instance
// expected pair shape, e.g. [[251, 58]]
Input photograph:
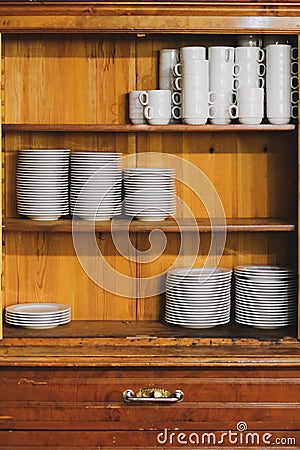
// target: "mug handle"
[[176, 98], [148, 112], [261, 70], [177, 83], [294, 67], [212, 111], [236, 68], [229, 55], [235, 84], [143, 98], [260, 82], [177, 70], [294, 82], [294, 53], [212, 98], [294, 112], [294, 97], [233, 111], [260, 55], [176, 115]]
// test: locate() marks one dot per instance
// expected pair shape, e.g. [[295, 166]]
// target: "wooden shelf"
[[156, 344], [168, 226], [127, 128]]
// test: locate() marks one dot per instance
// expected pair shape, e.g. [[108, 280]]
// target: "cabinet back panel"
[[254, 175], [44, 267], [54, 79]]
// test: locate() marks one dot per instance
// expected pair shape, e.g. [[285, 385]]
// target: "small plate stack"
[[96, 185], [265, 296], [38, 315], [43, 184], [150, 193], [198, 297]]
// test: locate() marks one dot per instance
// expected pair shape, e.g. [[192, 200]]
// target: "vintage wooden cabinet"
[[67, 68]]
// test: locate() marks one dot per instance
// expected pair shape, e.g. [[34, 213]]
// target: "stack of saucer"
[[150, 193], [42, 183], [265, 296], [199, 297], [38, 315], [96, 185]]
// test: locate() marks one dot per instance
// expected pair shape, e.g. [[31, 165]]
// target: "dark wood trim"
[[127, 128], [151, 344], [144, 20], [169, 226]]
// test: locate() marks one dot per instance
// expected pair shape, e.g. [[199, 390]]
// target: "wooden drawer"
[[91, 399]]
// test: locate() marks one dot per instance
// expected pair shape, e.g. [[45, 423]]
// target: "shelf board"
[[168, 226], [127, 128], [148, 343]]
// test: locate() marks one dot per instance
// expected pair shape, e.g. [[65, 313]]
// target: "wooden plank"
[[1, 196], [124, 440], [213, 22], [233, 225], [127, 128], [148, 332], [298, 253]]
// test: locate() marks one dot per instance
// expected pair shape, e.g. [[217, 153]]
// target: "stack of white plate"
[[150, 193], [43, 183], [38, 315], [96, 185], [265, 296], [198, 297]]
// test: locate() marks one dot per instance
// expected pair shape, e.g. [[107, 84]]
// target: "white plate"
[[37, 308]]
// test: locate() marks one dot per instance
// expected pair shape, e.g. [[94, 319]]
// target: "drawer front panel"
[[92, 399]]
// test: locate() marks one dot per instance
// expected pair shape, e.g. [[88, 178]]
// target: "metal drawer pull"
[[152, 395]]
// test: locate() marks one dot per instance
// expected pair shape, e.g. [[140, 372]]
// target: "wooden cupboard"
[[67, 68]]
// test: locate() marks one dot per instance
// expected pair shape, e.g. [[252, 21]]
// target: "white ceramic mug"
[[190, 67], [223, 108], [168, 57], [279, 82], [252, 69], [136, 109], [192, 52], [221, 54], [278, 106], [250, 103], [278, 65], [157, 106], [196, 99]]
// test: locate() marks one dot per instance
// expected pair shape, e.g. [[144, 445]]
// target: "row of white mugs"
[[155, 107], [229, 75]]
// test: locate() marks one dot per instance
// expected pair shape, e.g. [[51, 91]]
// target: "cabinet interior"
[[84, 79]]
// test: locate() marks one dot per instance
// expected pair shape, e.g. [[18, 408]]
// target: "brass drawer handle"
[[152, 395]]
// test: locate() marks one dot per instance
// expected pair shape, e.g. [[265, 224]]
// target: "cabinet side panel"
[[1, 256]]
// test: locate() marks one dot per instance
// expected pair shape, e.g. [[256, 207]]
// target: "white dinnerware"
[[250, 103], [157, 106], [279, 79], [42, 183], [95, 185], [265, 296], [37, 315], [222, 81], [150, 193], [198, 297], [136, 109]]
